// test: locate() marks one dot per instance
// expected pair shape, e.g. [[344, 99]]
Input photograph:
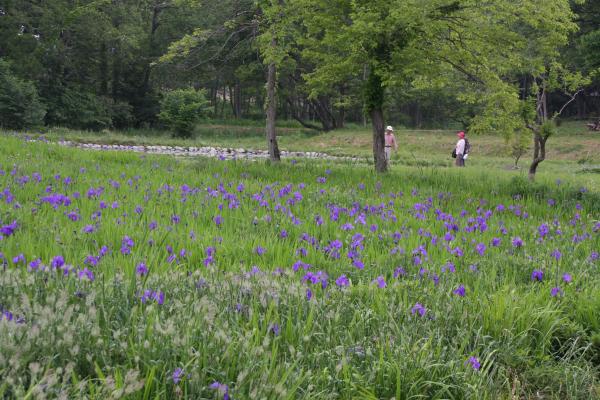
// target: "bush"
[[79, 109], [20, 106], [181, 109]]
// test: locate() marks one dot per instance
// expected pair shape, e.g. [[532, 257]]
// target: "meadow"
[[148, 277], [573, 151]]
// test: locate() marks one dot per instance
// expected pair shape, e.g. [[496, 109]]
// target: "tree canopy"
[[465, 64]]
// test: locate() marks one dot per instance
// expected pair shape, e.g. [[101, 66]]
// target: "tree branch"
[[567, 104]]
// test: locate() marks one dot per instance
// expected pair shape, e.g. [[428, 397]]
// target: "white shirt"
[[460, 147]]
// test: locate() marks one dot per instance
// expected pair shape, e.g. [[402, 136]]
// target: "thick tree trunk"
[[374, 99], [379, 140], [156, 10], [271, 109]]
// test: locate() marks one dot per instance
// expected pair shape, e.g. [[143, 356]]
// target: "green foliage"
[[80, 109], [519, 143], [97, 339], [181, 109], [548, 129], [20, 106]]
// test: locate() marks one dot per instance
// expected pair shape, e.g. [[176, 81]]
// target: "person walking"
[[390, 141], [462, 149]]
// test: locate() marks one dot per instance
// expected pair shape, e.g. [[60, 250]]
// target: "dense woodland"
[[97, 64]]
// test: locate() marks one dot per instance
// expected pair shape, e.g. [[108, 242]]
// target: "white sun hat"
[[389, 128]]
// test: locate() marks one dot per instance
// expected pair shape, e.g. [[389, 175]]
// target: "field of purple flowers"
[[131, 276]]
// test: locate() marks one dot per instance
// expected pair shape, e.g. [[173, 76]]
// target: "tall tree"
[[400, 42]]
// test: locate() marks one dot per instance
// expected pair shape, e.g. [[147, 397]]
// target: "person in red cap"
[[462, 149]]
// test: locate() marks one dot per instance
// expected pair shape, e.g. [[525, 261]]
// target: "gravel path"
[[216, 152]]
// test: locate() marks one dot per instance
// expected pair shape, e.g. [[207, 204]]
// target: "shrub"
[[181, 109], [76, 108], [20, 106]]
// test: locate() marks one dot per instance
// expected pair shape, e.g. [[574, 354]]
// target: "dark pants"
[[460, 161]]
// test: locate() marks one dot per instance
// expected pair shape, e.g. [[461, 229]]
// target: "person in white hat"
[[390, 141]]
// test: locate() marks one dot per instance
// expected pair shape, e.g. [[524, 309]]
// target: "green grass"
[[571, 151], [84, 339]]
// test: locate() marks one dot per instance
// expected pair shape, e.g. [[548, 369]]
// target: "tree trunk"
[[103, 69], [116, 73], [374, 95], [539, 141], [539, 153], [237, 100], [271, 108], [379, 140], [224, 101], [323, 113], [216, 98]]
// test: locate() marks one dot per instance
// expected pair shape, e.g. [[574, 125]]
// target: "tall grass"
[[247, 320]]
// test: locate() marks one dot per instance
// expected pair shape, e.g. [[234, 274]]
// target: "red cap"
[[461, 134]]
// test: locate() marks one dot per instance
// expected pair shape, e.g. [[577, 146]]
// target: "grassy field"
[[147, 277], [574, 150]]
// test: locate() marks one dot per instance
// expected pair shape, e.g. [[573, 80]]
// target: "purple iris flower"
[[556, 291], [73, 216], [275, 329], [380, 280], [141, 269], [418, 308], [177, 375], [86, 274], [460, 291], [567, 278], [222, 389], [517, 242], [57, 262], [537, 275], [35, 264], [260, 250], [556, 254], [88, 229], [480, 248], [496, 242], [9, 229], [474, 363], [399, 272], [92, 260], [309, 294], [342, 281], [543, 230]]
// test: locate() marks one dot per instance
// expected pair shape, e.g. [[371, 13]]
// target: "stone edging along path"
[[216, 152]]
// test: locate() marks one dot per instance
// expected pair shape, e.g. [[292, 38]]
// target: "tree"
[[402, 42], [541, 123], [181, 109], [20, 106]]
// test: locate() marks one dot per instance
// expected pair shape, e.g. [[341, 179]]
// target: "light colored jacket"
[[460, 147]]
